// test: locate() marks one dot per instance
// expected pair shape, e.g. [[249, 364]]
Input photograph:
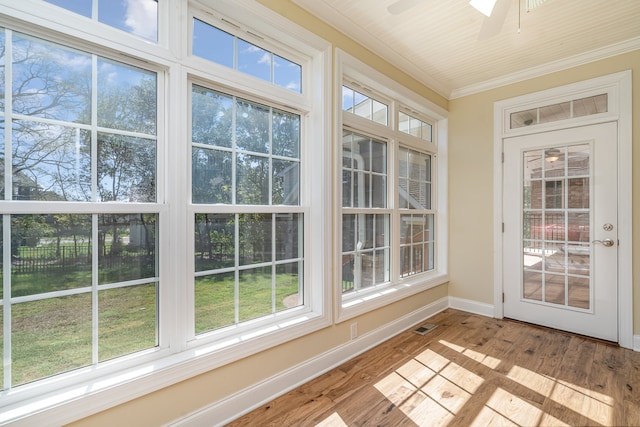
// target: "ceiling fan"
[[494, 10]]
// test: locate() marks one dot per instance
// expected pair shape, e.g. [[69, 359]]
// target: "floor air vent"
[[427, 327]]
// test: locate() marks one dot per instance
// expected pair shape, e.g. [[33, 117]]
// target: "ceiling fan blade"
[[492, 25], [402, 6]]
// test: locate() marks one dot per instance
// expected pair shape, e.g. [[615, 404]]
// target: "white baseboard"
[[234, 406], [470, 306], [636, 343]]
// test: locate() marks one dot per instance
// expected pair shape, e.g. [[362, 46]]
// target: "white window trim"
[[68, 397], [368, 300], [618, 86]]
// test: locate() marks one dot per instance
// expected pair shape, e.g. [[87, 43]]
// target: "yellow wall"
[[471, 233], [471, 176], [181, 399]]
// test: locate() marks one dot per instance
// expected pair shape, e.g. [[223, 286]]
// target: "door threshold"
[[547, 328]]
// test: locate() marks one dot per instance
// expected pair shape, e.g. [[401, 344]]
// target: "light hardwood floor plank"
[[470, 370]]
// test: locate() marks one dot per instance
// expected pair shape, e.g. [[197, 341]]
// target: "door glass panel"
[[532, 285], [554, 288], [579, 292], [578, 160], [556, 226]]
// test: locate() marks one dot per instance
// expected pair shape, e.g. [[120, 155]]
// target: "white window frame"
[[618, 87], [71, 396], [349, 70]]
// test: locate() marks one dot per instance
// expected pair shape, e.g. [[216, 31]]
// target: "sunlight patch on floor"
[[429, 388], [432, 388], [513, 408], [578, 399], [486, 360], [333, 420], [539, 383]]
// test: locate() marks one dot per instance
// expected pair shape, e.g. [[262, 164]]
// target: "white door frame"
[[618, 88]]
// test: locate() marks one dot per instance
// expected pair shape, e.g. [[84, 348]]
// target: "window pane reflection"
[[50, 253], [40, 348], [138, 17], [127, 247]]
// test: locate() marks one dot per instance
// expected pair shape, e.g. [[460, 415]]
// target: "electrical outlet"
[[354, 331]]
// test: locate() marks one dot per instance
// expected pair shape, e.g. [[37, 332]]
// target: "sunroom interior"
[[207, 203]]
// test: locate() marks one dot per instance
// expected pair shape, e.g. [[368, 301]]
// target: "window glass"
[[361, 105], [2, 70], [50, 162], [211, 118], [561, 111], [364, 171], [247, 266], [50, 336], [417, 228], [126, 168], [254, 61], [81, 7], [52, 275], [259, 142], [414, 177], [213, 44], [365, 236], [126, 97], [414, 126], [83, 286], [287, 74], [50, 81], [128, 247], [218, 46], [138, 17], [365, 251], [53, 161], [416, 243]]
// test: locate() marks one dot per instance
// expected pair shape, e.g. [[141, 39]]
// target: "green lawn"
[[215, 297], [54, 335]]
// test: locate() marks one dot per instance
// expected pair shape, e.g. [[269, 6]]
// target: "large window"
[[157, 204], [391, 216], [248, 263], [365, 223], [417, 236], [80, 283]]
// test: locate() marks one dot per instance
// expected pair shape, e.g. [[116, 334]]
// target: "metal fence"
[[49, 259]]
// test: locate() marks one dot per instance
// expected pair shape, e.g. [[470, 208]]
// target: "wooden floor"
[[469, 371]]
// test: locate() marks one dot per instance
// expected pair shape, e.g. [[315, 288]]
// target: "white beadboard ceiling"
[[436, 41]]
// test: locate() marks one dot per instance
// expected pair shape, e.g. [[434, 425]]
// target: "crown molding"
[[379, 47], [548, 68]]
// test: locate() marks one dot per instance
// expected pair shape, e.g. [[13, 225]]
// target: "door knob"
[[606, 242]]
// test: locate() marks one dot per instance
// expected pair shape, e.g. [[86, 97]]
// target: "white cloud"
[[142, 18]]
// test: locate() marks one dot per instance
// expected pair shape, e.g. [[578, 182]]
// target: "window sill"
[[364, 302], [79, 394]]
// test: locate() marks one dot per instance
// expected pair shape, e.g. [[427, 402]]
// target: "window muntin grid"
[[364, 106], [221, 47], [556, 226], [138, 17], [249, 264], [596, 104], [415, 127]]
